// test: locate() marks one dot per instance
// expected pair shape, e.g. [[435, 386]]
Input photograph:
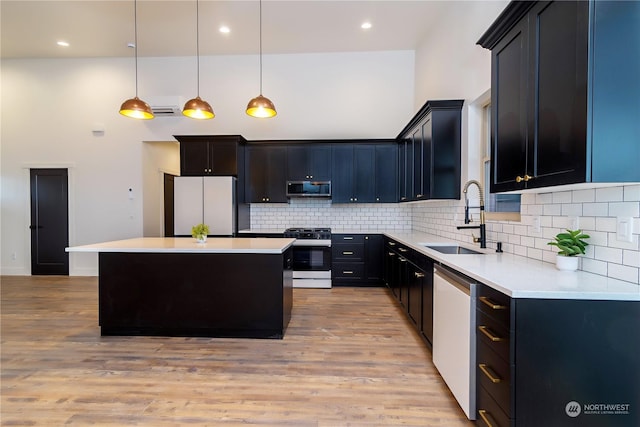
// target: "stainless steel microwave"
[[308, 188]]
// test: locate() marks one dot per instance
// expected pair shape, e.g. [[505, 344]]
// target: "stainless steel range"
[[311, 257]]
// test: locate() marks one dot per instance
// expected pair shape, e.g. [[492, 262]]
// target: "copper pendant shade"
[[260, 106], [197, 108], [135, 107]]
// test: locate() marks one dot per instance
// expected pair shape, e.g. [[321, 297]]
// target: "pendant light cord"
[[198, 46], [135, 38], [261, 47]]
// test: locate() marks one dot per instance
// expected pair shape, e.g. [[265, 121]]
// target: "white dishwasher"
[[454, 345]]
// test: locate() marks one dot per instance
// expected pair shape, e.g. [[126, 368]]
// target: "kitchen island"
[[226, 287]]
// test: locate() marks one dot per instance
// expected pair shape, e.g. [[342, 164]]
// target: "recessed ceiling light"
[[224, 29], [62, 43], [365, 25]]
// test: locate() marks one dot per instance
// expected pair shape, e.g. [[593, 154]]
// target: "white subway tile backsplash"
[[606, 224], [572, 209], [631, 258], [631, 193], [583, 196], [595, 209], [550, 210], [612, 255], [609, 194], [544, 198], [624, 209], [594, 266], [623, 272], [561, 197]]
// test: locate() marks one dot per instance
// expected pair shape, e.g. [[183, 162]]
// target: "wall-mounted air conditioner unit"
[[166, 106]]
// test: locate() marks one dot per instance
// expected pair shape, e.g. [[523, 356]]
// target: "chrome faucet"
[[483, 232]]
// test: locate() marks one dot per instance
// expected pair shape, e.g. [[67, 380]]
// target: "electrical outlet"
[[624, 226], [536, 224], [574, 222]]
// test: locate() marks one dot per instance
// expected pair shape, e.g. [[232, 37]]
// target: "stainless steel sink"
[[453, 249]]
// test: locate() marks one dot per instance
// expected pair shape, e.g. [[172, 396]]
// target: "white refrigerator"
[[205, 199]]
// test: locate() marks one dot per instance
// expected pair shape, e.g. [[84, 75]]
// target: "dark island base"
[[195, 294]]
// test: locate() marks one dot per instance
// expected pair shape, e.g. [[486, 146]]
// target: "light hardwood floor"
[[348, 358]]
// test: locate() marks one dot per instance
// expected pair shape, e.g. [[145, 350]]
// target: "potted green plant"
[[200, 232], [570, 244]]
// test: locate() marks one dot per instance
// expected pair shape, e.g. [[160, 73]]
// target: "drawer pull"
[[392, 243], [347, 272], [347, 252], [489, 334], [403, 250], [485, 370], [486, 418], [347, 238], [402, 259], [418, 275], [391, 254], [492, 304]]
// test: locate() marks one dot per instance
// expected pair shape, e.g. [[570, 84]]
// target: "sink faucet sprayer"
[[483, 233]]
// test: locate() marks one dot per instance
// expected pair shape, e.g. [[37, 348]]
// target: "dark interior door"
[[168, 205], [49, 222]]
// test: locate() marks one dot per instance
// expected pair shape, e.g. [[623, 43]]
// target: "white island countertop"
[[216, 245]]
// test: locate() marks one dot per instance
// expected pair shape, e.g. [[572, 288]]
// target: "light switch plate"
[[624, 227]]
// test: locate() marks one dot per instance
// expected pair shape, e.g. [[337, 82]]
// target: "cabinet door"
[[223, 157], [414, 303], [386, 173], [364, 173], [194, 158], [419, 165], [509, 109], [427, 300], [374, 258], [276, 175], [558, 93], [442, 135], [309, 161], [402, 171], [257, 165], [342, 181]]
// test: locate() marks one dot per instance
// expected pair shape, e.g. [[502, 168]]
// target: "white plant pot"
[[201, 239], [567, 263]]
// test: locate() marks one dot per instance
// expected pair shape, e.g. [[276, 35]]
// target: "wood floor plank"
[[348, 358]]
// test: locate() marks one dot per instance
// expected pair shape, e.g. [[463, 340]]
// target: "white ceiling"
[[30, 29]]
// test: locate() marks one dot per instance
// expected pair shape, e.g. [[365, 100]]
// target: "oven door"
[[311, 258]]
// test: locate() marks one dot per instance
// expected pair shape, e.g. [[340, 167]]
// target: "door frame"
[[71, 188]]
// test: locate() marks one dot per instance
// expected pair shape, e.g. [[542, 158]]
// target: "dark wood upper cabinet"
[[544, 129], [364, 172], [266, 173], [429, 152], [211, 155], [309, 161]]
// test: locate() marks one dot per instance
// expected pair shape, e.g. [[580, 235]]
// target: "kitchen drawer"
[[347, 270], [493, 374], [491, 332], [347, 238], [495, 304], [488, 412], [347, 252]]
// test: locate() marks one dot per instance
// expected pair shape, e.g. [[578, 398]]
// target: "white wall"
[[49, 108]]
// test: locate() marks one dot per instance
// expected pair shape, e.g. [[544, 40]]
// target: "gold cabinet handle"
[[485, 370], [523, 178], [489, 334], [403, 250], [418, 275], [486, 418], [347, 252], [493, 305]]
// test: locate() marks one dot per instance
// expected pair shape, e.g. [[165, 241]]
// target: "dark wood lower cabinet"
[[357, 259], [545, 362], [188, 294]]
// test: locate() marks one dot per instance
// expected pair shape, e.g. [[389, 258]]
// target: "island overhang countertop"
[[219, 245]]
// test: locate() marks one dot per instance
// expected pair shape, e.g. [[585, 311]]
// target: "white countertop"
[[521, 277], [218, 245]]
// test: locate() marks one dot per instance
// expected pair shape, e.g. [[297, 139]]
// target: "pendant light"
[[261, 106], [135, 107], [198, 108]]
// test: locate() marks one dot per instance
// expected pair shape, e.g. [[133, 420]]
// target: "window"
[[497, 206]]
